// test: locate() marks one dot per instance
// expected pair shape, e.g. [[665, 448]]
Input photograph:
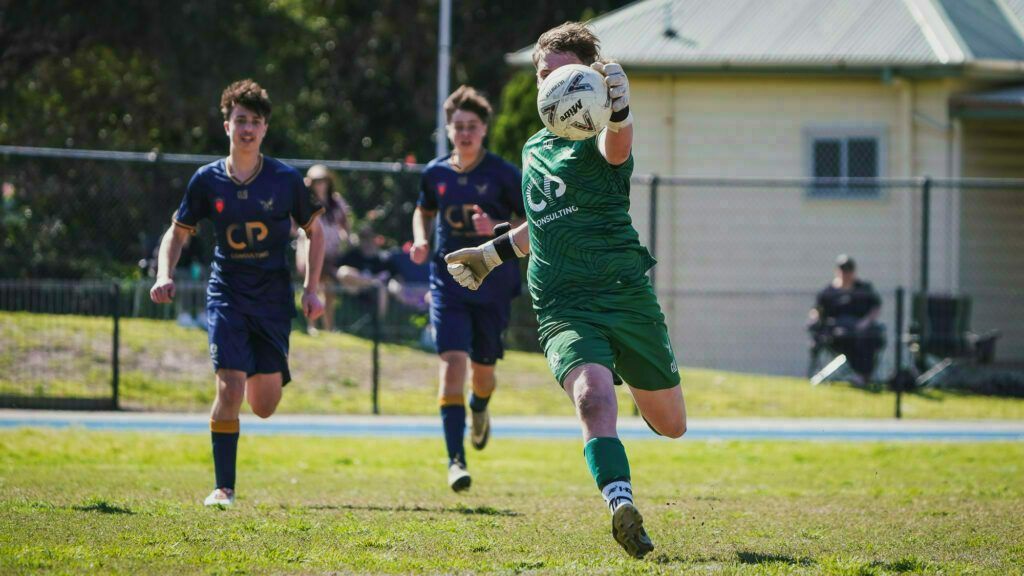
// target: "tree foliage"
[[349, 79], [518, 119]]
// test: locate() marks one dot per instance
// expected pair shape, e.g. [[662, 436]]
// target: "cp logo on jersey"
[[254, 232], [465, 215], [546, 191]]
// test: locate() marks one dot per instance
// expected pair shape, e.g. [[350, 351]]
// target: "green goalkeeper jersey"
[[585, 255]]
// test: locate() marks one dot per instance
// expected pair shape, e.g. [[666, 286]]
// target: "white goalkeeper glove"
[[618, 90], [470, 266]]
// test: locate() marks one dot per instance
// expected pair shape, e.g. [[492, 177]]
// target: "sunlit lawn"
[[166, 367], [77, 502]]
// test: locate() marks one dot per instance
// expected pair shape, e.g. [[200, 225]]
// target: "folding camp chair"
[[940, 337], [831, 337]]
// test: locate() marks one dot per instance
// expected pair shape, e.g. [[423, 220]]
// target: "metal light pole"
[[444, 40]]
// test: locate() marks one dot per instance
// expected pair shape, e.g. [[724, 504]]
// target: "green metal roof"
[[815, 35], [986, 27]]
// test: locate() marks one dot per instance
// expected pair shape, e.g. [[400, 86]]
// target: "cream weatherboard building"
[[752, 89]]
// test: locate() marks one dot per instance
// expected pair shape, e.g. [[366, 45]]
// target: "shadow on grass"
[[928, 394], [666, 559], [906, 564], [475, 511], [482, 511], [746, 557], [103, 507]]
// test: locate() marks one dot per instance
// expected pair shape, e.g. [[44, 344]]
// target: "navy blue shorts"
[[473, 328], [248, 343]]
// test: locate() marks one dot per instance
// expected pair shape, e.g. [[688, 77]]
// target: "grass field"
[[166, 367], [75, 502]]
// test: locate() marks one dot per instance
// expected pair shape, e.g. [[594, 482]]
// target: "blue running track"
[[535, 427]]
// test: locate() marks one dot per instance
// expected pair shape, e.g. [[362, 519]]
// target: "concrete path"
[[833, 429]]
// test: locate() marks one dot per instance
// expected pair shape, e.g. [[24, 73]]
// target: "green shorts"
[[634, 346]]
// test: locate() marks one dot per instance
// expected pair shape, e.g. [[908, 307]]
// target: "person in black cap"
[[845, 318]]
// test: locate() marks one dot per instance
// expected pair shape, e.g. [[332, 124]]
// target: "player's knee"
[[484, 380], [593, 403], [673, 429], [454, 360], [230, 393], [264, 409]]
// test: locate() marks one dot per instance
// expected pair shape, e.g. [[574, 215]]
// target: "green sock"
[[606, 459]]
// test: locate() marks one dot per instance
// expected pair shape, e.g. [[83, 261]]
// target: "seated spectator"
[[334, 223], [369, 272], [844, 319], [415, 278]]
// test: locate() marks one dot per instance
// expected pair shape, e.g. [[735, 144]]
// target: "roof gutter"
[[986, 69], [1002, 68], [883, 72]]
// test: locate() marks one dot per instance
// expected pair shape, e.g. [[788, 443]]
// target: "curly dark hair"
[[245, 93], [468, 99], [572, 37]]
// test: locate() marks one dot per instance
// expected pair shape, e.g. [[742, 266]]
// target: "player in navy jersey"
[[467, 193], [251, 201]]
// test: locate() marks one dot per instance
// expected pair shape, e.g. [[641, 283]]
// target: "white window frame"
[[844, 133]]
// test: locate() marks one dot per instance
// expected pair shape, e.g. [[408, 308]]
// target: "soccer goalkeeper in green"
[[595, 305]]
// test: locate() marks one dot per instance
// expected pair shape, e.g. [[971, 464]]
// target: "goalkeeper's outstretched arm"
[[469, 266]]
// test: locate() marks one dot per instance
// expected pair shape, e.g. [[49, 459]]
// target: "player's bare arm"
[[352, 277], [171, 244], [521, 236], [421, 228], [312, 307], [301, 252]]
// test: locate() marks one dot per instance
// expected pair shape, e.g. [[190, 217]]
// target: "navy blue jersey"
[[852, 304], [252, 223], [495, 186]]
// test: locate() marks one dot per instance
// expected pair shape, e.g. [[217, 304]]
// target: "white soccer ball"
[[573, 102]]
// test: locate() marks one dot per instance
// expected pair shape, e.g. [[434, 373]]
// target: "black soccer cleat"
[[480, 431], [628, 530]]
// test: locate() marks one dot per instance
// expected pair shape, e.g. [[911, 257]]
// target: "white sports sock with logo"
[[617, 493]]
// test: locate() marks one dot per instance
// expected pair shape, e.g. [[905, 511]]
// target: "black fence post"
[[114, 355], [926, 201], [375, 314], [900, 374], [926, 204]]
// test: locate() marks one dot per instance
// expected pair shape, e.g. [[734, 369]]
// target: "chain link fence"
[[740, 264]]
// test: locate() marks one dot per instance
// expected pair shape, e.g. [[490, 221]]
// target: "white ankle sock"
[[616, 493]]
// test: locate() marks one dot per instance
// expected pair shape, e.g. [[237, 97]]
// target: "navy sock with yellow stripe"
[[453, 420], [225, 451], [478, 403]]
